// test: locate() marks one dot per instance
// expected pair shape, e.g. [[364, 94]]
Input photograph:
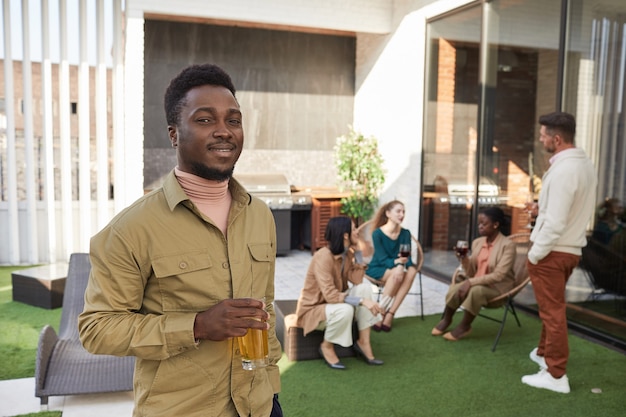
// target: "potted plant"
[[360, 170]]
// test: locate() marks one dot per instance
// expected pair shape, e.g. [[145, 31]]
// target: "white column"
[[102, 146], [29, 142], [65, 135], [9, 99], [48, 138], [117, 110], [84, 136], [133, 96]]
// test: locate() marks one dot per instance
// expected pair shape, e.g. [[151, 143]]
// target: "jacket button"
[[225, 265], [182, 265]]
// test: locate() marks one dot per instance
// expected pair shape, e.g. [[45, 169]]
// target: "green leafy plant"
[[359, 170]]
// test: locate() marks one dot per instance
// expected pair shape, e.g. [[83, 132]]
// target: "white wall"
[[347, 15], [389, 99]]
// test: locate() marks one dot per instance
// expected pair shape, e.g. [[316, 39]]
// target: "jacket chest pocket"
[[186, 281], [262, 257]]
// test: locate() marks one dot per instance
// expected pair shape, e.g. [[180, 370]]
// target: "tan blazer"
[[325, 284], [500, 274]]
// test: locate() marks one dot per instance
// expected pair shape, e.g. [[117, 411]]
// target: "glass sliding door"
[[491, 71], [451, 134], [519, 84], [595, 92], [595, 88]]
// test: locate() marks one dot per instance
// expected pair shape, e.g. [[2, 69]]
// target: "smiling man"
[[180, 273]]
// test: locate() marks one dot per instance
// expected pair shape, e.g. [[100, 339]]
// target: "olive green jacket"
[[154, 267]]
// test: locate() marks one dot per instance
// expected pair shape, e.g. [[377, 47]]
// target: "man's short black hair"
[[560, 122], [188, 78]]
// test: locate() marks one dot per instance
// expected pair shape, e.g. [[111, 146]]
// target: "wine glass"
[[530, 200], [405, 251], [461, 249]]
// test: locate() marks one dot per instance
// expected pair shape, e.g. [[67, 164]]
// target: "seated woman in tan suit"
[[488, 273], [327, 302]]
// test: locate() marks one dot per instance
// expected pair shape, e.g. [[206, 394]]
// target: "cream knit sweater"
[[566, 203]]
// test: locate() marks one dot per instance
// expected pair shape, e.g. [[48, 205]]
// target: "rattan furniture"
[[40, 286], [63, 366], [292, 339]]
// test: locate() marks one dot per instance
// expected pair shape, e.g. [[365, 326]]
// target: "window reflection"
[[481, 108], [451, 134], [594, 91]]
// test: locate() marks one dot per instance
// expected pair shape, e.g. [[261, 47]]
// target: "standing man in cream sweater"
[[566, 203]]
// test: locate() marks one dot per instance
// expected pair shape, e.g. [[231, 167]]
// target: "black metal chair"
[[605, 269], [522, 241]]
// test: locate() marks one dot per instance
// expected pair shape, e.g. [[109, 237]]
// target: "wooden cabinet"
[[323, 209]]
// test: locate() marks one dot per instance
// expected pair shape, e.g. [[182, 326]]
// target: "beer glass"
[[254, 349]]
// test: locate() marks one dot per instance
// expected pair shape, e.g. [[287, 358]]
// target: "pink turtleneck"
[[211, 197]]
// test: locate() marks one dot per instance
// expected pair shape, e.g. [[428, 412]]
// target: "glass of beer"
[[254, 349]]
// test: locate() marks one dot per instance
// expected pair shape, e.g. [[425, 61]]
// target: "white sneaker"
[[543, 379], [539, 360]]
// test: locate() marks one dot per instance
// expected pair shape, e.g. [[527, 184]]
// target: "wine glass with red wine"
[[461, 249], [405, 251]]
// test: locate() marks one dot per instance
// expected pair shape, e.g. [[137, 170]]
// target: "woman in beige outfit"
[[328, 303], [488, 273]]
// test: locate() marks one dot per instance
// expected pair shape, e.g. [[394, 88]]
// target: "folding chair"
[[522, 242]]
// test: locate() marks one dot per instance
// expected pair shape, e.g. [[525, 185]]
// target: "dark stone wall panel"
[[296, 89]]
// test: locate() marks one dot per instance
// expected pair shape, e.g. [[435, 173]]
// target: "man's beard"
[[212, 174]]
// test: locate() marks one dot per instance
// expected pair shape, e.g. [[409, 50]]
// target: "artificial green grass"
[[42, 414], [422, 375], [429, 376], [19, 330]]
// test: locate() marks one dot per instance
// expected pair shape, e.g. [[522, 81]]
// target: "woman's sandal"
[[384, 327]]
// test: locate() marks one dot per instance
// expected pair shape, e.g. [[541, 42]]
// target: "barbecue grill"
[[275, 191]]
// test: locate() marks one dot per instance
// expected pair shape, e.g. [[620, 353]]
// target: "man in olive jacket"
[[181, 272]]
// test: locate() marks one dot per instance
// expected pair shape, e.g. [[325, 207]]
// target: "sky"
[[73, 29]]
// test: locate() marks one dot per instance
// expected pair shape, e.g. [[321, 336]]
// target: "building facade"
[[452, 89]]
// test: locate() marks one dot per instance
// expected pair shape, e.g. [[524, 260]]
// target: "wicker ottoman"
[[294, 343]]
